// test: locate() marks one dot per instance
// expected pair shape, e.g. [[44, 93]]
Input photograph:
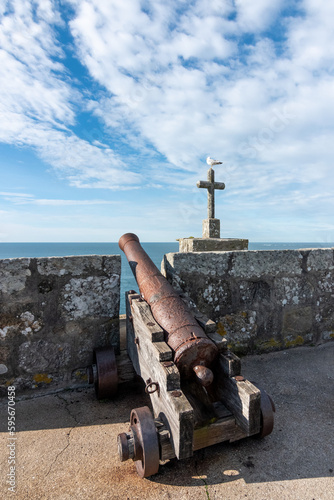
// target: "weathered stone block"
[[211, 264], [54, 312], [13, 275], [320, 259], [211, 228], [297, 321], [294, 290], [87, 296], [42, 356], [77, 265], [255, 291], [239, 329], [255, 264], [212, 244], [288, 293], [325, 283]]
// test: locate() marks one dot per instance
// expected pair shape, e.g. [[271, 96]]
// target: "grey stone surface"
[[211, 244], [211, 228], [13, 275], [54, 311], [260, 300]]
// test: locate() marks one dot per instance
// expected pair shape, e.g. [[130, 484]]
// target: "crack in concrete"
[[201, 477], [54, 392], [206, 488], [68, 434]]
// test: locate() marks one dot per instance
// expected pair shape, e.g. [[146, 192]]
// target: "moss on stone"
[[270, 344], [221, 329], [239, 349], [42, 378], [295, 342]]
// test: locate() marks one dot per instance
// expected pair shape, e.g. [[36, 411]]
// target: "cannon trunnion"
[[197, 393]]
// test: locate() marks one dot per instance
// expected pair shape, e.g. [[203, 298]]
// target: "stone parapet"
[[260, 300], [54, 312]]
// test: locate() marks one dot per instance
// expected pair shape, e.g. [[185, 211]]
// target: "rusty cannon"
[[193, 350], [198, 396]]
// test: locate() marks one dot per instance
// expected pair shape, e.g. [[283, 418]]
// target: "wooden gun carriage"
[[198, 396]]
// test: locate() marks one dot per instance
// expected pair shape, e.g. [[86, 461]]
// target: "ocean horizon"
[[156, 252]]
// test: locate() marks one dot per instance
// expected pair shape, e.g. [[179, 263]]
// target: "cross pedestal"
[[211, 228], [212, 244], [211, 240]]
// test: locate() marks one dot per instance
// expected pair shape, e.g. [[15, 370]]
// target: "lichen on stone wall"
[[238, 327], [43, 355], [94, 295], [13, 275], [268, 345], [24, 323], [287, 296], [43, 378], [262, 263], [293, 342], [53, 313], [73, 266]]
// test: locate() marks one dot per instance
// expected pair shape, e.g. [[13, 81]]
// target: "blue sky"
[[109, 108]]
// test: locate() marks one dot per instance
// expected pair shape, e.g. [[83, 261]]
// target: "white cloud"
[[257, 16], [311, 37], [37, 101], [29, 199], [16, 195]]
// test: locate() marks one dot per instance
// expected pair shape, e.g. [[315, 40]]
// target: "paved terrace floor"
[[66, 443]]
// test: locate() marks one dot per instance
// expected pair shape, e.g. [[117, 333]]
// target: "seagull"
[[211, 161]]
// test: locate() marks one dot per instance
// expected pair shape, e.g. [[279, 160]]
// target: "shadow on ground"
[[75, 433]]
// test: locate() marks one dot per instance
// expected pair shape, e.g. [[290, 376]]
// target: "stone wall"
[[53, 312], [261, 300]]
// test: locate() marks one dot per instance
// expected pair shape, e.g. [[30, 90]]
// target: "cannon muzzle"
[[194, 352]]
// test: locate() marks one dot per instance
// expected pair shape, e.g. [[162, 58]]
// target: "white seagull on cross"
[[211, 161]]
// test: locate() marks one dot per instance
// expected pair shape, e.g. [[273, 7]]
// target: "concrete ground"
[[66, 443]]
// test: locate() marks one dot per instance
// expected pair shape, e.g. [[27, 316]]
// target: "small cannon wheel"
[[267, 412], [146, 444], [106, 372]]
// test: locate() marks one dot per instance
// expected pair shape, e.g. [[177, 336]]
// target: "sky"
[[109, 108]]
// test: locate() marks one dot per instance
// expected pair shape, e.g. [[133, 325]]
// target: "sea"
[[156, 252]]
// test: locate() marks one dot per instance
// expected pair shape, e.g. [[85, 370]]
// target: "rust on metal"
[[176, 394], [90, 374], [133, 296], [167, 364], [267, 412], [184, 336], [152, 387], [204, 375], [146, 444], [123, 447], [104, 372]]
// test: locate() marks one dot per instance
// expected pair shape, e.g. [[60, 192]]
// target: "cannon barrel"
[[194, 352]]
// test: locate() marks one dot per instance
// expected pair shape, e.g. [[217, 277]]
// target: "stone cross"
[[211, 226], [211, 185]]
